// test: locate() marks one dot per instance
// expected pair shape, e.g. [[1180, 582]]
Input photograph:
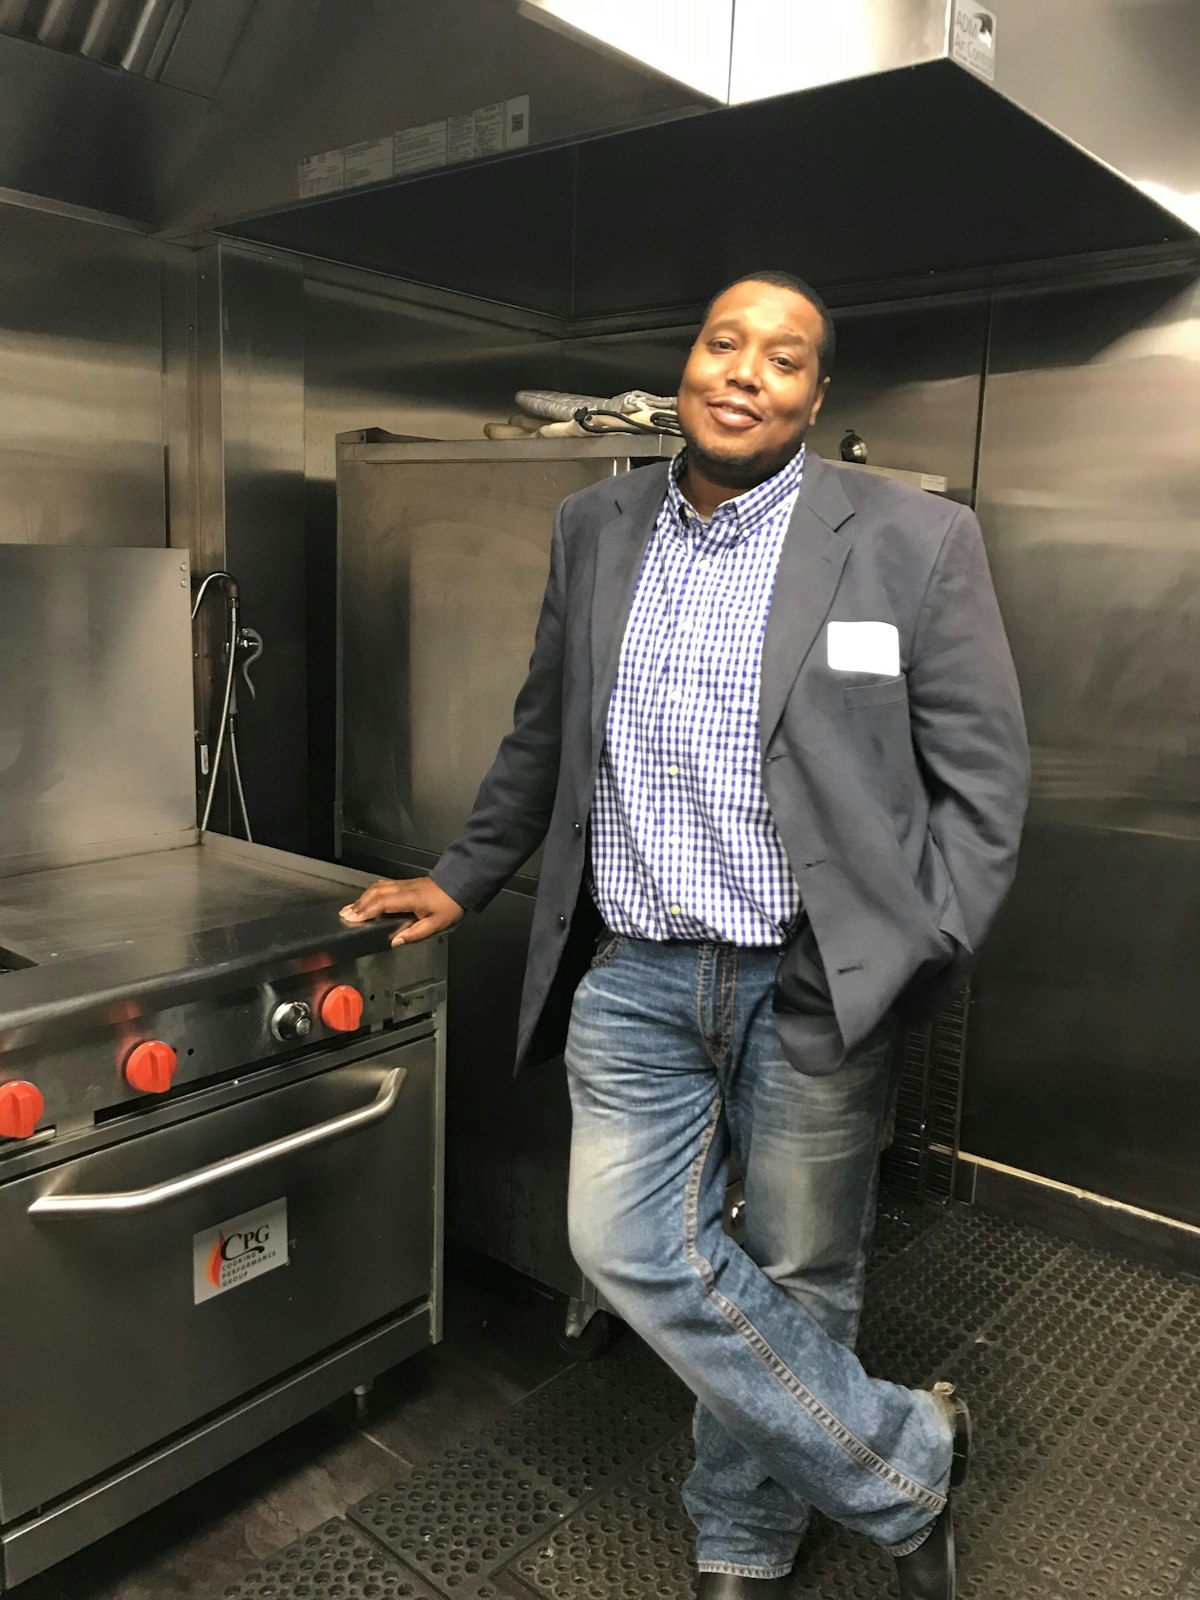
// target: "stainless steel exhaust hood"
[[1116, 78], [864, 143]]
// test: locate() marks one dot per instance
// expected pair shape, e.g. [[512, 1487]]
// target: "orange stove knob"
[[342, 1009], [151, 1067], [21, 1108]]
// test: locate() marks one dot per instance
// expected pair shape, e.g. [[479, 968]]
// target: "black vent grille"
[[920, 1161]]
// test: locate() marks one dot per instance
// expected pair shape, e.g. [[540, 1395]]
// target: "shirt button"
[[676, 911], [676, 696], [672, 772], [675, 839]]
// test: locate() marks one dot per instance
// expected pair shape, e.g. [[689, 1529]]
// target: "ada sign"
[[975, 39], [233, 1252]]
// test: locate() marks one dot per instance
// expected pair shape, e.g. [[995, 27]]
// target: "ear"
[[818, 401]]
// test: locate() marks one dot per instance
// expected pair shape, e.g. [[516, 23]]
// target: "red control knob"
[[151, 1067], [342, 1009], [21, 1108]]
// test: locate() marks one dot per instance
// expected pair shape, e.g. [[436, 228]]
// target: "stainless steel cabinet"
[[443, 551]]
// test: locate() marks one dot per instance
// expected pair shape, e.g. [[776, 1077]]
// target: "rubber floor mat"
[[1083, 1372]]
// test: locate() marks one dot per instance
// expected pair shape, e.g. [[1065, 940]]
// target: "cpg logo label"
[[236, 1251], [974, 41]]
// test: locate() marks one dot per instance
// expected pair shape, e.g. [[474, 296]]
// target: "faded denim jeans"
[[674, 1063]]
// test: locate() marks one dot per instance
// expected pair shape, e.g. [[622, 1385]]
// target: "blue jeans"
[[674, 1062]]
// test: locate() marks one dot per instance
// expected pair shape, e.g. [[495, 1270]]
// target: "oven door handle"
[[135, 1200]]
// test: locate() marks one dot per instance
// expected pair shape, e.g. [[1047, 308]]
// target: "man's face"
[[751, 388]]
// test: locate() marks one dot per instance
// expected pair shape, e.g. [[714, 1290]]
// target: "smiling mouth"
[[733, 413]]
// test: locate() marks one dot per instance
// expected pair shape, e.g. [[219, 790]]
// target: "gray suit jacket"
[[899, 800]]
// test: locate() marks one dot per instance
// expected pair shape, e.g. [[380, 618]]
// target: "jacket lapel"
[[806, 580], [620, 548]]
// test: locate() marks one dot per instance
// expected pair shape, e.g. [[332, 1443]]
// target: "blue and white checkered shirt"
[[683, 843]]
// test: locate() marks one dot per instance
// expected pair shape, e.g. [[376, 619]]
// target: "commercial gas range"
[[220, 1171]]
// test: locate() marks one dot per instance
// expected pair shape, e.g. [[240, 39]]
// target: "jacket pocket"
[[881, 693]]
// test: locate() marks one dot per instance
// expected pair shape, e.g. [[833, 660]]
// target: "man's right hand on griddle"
[[430, 908]]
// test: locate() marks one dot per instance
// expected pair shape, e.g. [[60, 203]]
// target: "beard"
[[744, 471]]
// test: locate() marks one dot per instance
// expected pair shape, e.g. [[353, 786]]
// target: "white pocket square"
[[864, 647]]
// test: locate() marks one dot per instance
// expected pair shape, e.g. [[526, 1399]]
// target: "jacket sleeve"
[[513, 807], [969, 731]]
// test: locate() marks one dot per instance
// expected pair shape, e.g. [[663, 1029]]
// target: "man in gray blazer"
[[772, 741]]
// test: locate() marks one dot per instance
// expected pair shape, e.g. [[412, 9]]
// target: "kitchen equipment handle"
[[108, 1205]]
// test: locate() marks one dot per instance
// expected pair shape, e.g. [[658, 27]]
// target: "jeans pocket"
[[607, 948]]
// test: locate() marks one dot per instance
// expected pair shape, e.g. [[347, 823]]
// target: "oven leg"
[[362, 1400]]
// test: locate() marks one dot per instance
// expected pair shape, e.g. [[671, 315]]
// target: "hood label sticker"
[[974, 40]]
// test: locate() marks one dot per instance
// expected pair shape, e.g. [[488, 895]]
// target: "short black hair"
[[779, 279]]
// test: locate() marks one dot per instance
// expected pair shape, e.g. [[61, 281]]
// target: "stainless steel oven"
[[220, 1190]]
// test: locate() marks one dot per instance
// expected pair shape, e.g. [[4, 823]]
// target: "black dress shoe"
[[732, 1586], [928, 1573]]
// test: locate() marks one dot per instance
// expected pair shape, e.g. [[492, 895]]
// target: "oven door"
[[150, 1284]]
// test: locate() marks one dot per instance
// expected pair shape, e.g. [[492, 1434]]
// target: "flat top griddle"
[[64, 913], [165, 925]]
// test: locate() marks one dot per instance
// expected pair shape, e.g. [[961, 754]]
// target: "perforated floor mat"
[[1083, 1371], [334, 1562]]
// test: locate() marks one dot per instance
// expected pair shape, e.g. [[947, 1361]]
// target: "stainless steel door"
[[113, 1332]]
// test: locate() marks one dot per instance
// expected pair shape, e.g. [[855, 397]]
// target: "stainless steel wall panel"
[[81, 423], [1085, 1033], [193, 331], [180, 398], [95, 718], [262, 449]]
